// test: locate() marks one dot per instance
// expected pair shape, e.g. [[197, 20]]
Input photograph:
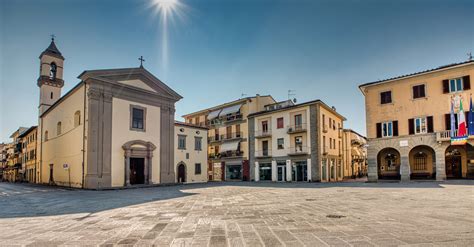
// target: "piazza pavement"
[[241, 214]]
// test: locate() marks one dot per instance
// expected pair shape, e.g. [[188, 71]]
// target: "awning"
[[229, 146], [230, 110], [213, 114]]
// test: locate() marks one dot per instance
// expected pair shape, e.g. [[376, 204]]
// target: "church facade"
[[115, 128]]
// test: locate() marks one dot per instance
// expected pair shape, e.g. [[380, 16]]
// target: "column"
[[257, 171], [308, 172], [145, 170], [372, 172], [440, 165], [288, 170], [127, 168], [404, 169], [274, 171]]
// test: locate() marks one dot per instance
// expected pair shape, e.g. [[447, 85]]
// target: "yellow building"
[[28, 140], [409, 123], [13, 171], [300, 142], [190, 153], [228, 136], [355, 154], [114, 128]]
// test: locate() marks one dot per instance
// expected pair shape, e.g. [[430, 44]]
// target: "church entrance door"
[[137, 171]]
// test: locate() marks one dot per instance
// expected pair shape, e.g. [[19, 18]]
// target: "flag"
[[462, 129], [453, 120], [470, 127]]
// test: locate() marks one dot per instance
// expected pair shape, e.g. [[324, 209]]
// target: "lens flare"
[[167, 11]]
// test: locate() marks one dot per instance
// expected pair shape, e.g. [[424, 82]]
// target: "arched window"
[[58, 130], [45, 135], [420, 161], [52, 71], [77, 118]]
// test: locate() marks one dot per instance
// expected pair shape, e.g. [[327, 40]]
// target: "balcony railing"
[[214, 138], [226, 119], [325, 128], [230, 136], [263, 153], [231, 154], [297, 128], [263, 133], [298, 150], [214, 156], [445, 135]]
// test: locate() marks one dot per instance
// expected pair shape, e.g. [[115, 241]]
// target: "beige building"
[[409, 123], [114, 128], [300, 142], [354, 153], [3, 159], [228, 149], [190, 153], [13, 172], [28, 141]]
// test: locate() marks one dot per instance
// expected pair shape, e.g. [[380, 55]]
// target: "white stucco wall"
[[121, 134]]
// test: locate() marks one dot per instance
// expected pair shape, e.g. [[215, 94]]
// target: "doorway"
[[137, 171], [453, 165], [281, 173], [181, 173]]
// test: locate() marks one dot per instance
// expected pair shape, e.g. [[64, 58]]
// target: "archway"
[[422, 162], [388, 164], [138, 162], [181, 173], [458, 161]]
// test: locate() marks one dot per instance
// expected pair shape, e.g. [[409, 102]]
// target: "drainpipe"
[[84, 135]]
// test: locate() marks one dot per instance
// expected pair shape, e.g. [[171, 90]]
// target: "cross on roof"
[[469, 56], [52, 37], [141, 61]]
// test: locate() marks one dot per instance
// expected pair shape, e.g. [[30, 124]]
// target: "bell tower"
[[50, 80]]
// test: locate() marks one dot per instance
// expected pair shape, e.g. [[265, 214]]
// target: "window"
[[419, 91], [51, 95], [330, 143], [420, 161], [279, 123], [298, 120], [455, 85], [52, 71], [420, 125], [58, 128], [77, 118], [281, 143], [386, 97], [198, 143], [229, 132], [137, 118], [330, 123], [334, 124], [264, 126], [197, 168], [387, 129], [45, 135], [181, 142], [237, 131]]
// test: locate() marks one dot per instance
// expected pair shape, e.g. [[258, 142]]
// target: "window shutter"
[[423, 91], [379, 130], [415, 92], [430, 124], [411, 126], [445, 86], [395, 128], [447, 121], [467, 82]]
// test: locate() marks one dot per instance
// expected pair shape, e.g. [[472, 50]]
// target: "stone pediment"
[[138, 78]]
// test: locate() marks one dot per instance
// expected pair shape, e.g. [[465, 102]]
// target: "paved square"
[[241, 214]]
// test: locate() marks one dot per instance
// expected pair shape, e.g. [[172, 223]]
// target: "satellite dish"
[[294, 100]]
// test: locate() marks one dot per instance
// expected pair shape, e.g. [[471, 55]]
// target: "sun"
[[165, 4]]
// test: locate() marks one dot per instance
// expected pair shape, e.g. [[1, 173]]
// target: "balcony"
[[298, 128], [214, 138], [232, 154], [326, 150], [298, 150], [231, 136], [226, 119], [213, 156], [263, 133], [263, 153], [445, 135]]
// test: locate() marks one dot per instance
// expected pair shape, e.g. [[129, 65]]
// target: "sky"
[[214, 51]]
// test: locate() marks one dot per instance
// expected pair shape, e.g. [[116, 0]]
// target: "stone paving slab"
[[241, 214]]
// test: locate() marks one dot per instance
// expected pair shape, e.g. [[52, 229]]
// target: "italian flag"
[[462, 129]]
